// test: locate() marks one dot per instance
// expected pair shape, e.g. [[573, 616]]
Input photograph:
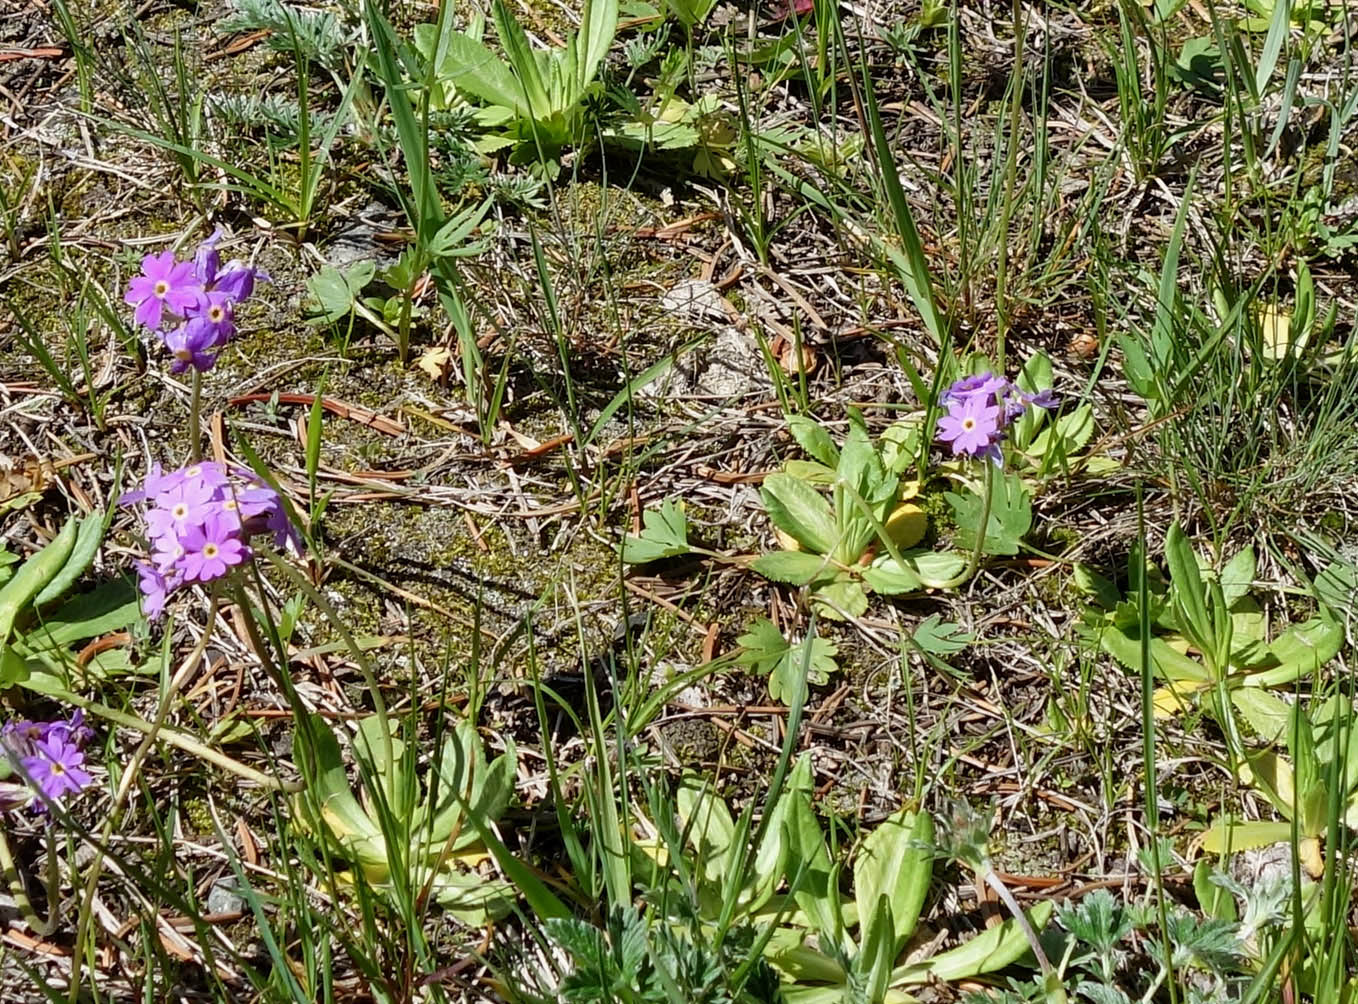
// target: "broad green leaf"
[[708, 826], [840, 598], [1237, 577], [936, 567], [813, 438], [1225, 836], [770, 859], [110, 606], [876, 953], [1035, 377], [895, 861], [794, 567], [1268, 715], [799, 511], [890, 577], [1186, 584], [1066, 438], [988, 952], [1095, 586], [1299, 651], [523, 62], [1168, 663], [333, 292]]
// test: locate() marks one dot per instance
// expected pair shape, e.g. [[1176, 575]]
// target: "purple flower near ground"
[[237, 281], [984, 405], [190, 304], [970, 426], [212, 322], [57, 768], [164, 283], [50, 759], [155, 587]]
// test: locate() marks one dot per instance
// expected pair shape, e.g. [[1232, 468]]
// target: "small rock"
[[223, 897]]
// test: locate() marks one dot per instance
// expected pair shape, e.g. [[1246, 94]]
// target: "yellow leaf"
[[1275, 333], [907, 525], [1308, 853], [786, 541], [436, 362], [1171, 701]]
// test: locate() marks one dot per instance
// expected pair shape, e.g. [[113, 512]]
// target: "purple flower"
[[50, 758], [190, 345], [984, 386], [56, 768], [206, 260], [199, 521], [212, 548], [211, 321], [237, 281], [155, 587], [163, 284], [971, 427]]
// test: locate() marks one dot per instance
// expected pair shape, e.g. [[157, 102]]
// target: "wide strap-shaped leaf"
[[799, 511], [1227, 835], [523, 61], [895, 861], [988, 952]]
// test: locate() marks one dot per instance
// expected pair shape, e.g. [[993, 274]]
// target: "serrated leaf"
[[664, 534], [799, 511], [1011, 516], [840, 598], [793, 567], [939, 637], [813, 438]]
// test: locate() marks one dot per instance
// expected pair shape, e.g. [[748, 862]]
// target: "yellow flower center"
[[162, 287], [968, 424], [180, 511], [210, 550]]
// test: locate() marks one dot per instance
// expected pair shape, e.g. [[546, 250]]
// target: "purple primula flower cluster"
[[50, 758], [191, 304], [980, 409], [199, 520]]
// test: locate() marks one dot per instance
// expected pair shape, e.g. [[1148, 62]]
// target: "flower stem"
[[37, 926], [987, 483], [195, 417]]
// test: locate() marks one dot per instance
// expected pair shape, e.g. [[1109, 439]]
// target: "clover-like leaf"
[[664, 534]]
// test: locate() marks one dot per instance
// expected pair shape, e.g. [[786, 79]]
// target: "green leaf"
[[1011, 516], [891, 577], [110, 606], [996, 948], [1300, 650], [939, 637], [1186, 586], [766, 651], [1227, 835], [799, 511], [840, 598], [1167, 662], [813, 438], [1035, 377], [1066, 438], [1269, 716], [1237, 578], [708, 826], [1095, 586], [333, 292], [664, 534], [794, 567], [523, 61], [895, 861]]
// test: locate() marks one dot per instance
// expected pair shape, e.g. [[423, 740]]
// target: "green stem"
[[987, 483], [1010, 177], [195, 417], [37, 926]]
